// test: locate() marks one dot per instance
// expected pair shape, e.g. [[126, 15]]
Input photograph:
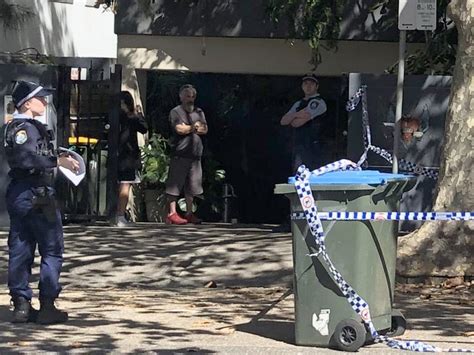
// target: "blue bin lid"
[[361, 177]]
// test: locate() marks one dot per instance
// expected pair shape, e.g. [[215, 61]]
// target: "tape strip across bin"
[[303, 188], [390, 216]]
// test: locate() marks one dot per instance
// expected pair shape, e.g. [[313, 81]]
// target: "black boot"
[[49, 314], [23, 311]]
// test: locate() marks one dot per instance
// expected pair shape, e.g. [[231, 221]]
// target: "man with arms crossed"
[[304, 120], [188, 124]]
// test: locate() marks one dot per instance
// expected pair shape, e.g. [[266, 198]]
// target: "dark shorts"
[[129, 175], [184, 175]]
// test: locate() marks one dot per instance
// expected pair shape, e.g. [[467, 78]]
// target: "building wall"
[[138, 53], [62, 29], [250, 55], [360, 20]]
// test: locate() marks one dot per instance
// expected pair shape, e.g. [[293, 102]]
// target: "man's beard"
[[189, 106]]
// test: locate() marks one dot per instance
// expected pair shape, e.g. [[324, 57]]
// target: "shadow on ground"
[[151, 255], [276, 330], [136, 320], [133, 289], [446, 317]]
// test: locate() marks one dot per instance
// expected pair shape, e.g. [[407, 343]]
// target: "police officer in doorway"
[[304, 118], [34, 218]]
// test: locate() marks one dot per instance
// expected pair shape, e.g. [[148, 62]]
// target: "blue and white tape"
[[358, 304], [389, 216], [418, 170], [353, 102]]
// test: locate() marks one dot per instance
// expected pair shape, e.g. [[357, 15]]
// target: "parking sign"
[[417, 15], [426, 15]]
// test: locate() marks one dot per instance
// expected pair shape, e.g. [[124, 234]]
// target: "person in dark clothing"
[[304, 118], [131, 122], [34, 217]]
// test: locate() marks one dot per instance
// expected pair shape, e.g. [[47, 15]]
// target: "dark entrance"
[[245, 137]]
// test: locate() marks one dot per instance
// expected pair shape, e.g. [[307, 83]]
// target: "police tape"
[[405, 165], [389, 216], [357, 303]]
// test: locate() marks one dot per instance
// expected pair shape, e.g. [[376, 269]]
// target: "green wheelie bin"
[[364, 252]]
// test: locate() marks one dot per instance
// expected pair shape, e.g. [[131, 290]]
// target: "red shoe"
[[175, 219], [191, 218]]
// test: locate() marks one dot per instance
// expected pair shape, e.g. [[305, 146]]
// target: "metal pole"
[[398, 113]]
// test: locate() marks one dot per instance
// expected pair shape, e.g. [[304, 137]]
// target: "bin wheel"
[[349, 335], [399, 324]]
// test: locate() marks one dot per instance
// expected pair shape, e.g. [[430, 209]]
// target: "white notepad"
[[74, 177]]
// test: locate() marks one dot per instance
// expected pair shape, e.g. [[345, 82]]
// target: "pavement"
[[210, 289]]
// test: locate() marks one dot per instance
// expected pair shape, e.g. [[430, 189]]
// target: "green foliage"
[[313, 20], [213, 178], [29, 56], [13, 16], [437, 58], [156, 161], [107, 5], [439, 54]]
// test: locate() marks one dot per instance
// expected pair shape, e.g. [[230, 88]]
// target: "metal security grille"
[[88, 123]]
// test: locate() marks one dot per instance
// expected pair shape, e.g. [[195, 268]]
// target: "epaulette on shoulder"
[[16, 123], [13, 124]]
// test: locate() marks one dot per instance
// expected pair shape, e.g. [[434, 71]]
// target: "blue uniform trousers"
[[309, 154], [30, 227]]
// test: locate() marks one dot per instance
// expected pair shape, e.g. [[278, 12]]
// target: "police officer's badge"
[[21, 137], [313, 105]]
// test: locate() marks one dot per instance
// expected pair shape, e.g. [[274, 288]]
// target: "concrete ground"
[[150, 288]]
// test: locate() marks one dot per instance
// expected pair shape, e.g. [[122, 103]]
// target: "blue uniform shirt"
[[28, 147], [308, 133], [314, 105]]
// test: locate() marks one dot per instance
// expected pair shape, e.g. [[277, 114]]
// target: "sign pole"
[[399, 108], [412, 15]]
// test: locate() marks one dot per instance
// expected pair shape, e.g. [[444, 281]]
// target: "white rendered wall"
[[64, 30], [138, 53], [251, 55]]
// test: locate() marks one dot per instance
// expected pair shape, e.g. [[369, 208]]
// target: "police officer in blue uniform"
[[34, 218], [304, 118]]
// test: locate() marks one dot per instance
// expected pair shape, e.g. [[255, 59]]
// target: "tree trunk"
[[447, 248]]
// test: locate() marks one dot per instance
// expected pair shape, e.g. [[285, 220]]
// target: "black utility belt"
[[23, 173], [36, 177]]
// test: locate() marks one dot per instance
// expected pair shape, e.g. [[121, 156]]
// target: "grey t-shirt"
[[190, 145]]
